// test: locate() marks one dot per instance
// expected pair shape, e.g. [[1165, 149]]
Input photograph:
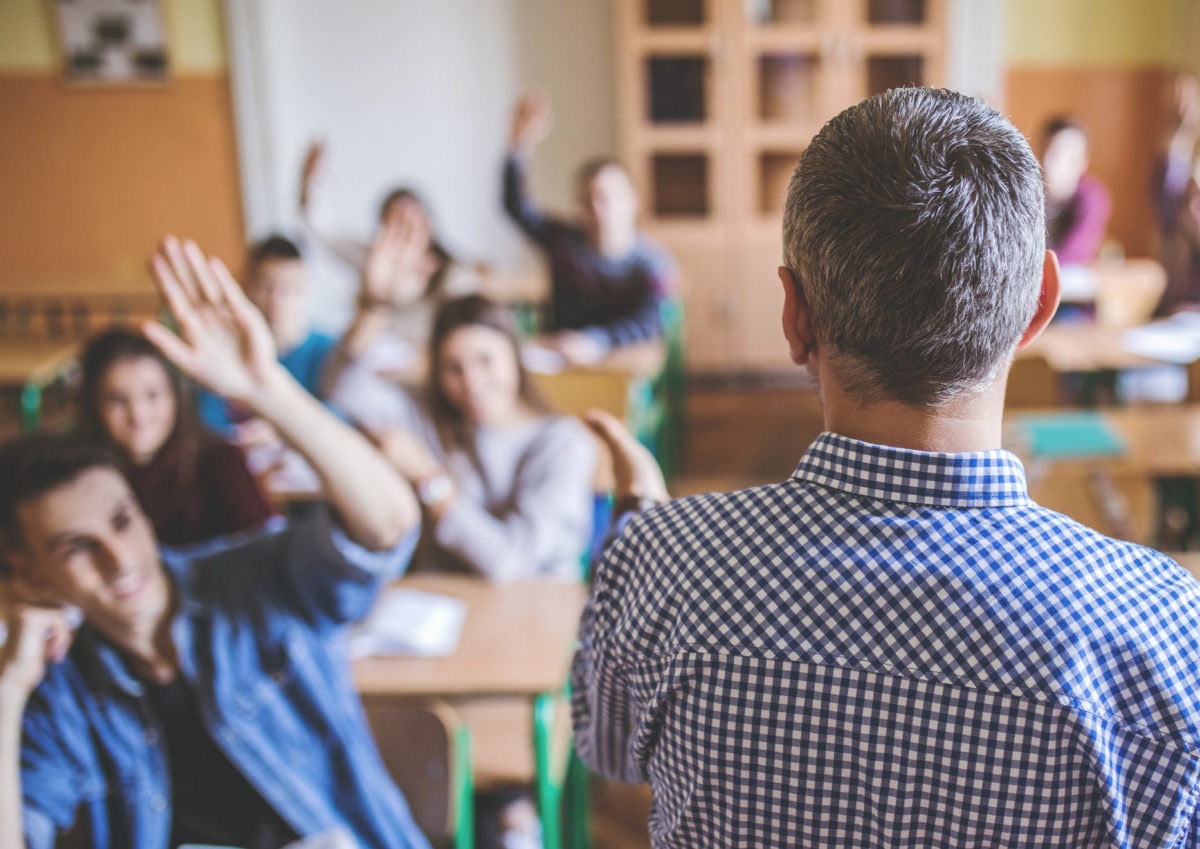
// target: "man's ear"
[[797, 322], [1047, 301]]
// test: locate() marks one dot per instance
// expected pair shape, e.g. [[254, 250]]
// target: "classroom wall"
[[1110, 63], [93, 176]]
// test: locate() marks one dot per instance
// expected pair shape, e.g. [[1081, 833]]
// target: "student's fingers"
[[208, 290], [171, 250], [172, 347], [174, 293], [228, 291]]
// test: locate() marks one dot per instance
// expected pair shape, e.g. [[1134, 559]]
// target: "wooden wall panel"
[[92, 177], [1123, 109]]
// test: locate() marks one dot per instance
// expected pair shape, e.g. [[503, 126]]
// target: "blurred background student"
[[415, 294], [277, 283], [506, 486], [608, 278], [193, 485], [1177, 202], [1078, 205]]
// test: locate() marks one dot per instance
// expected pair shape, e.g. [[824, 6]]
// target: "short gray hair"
[[915, 227]]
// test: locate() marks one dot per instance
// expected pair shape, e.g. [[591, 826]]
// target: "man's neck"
[[148, 647], [971, 423]]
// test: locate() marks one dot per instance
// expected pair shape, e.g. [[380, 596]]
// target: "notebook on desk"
[[410, 622], [1056, 436]]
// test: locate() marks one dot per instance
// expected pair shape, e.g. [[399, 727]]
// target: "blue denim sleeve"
[[51, 779], [386, 565]]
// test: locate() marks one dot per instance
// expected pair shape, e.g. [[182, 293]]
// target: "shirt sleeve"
[[50, 778], [550, 522], [311, 569], [602, 706], [520, 205]]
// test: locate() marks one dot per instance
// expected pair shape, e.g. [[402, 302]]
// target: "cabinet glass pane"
[[774, 173], [883, 12], [674, 13], [767, 12], [680, 184], [884, 72], [787, 87], [676, 88]]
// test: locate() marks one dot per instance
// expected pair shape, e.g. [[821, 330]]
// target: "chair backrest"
[[1032, 382], [426, 749]]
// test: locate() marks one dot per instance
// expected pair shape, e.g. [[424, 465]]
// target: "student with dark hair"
[[276, 283], [505, 485], [192, 485], [1077, 204], [608, 279], [204, 699], [896, 646]]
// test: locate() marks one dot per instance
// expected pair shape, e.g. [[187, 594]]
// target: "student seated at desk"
[[191, 484], [204, 699], [505, 485], [408, 303], [608, 278], [1077, 204], [277, 284]]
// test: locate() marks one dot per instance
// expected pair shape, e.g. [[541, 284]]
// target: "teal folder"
[[1064, 435]]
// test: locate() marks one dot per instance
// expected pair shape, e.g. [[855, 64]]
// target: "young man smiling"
[[204, 699]]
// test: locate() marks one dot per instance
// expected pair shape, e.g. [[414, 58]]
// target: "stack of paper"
[[410, 622]]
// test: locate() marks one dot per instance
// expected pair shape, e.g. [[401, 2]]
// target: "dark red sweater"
[[218, 496]]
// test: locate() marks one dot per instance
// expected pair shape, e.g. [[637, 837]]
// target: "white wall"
[[414, 92]]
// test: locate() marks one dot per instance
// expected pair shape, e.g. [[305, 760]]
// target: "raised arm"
[[531, 121], [394, 275], [312, 212], [224, 344]]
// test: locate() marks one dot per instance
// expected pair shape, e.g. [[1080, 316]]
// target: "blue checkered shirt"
[[893, 648]]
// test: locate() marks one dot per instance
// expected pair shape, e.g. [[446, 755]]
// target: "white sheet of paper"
[[410, 622]]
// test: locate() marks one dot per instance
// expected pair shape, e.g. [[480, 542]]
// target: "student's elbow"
[[388, 525]]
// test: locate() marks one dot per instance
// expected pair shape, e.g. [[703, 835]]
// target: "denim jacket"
[[259, 634]]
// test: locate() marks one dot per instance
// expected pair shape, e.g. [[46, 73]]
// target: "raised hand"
[[398, 263], [224, 343], [314, 160], [636, 471], [531, 122], [36, 635]]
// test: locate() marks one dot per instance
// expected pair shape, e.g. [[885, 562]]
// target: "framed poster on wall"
[[116, 42]]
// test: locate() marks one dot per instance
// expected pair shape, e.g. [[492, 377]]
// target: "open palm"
[[224, 343]]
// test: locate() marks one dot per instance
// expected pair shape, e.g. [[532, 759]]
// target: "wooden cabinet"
[[717, 99]]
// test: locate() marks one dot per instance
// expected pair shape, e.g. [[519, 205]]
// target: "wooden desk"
[[505, 680], [517, 640], [1084, 348]]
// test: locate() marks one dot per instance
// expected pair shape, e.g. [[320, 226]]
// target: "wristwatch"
[[435, 489]]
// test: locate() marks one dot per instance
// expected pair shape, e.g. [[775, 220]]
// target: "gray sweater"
[[525, 503]]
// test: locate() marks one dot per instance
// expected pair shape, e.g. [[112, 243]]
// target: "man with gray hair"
[[896, 646]]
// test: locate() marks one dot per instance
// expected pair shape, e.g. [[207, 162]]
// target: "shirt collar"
[[968, 480]]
